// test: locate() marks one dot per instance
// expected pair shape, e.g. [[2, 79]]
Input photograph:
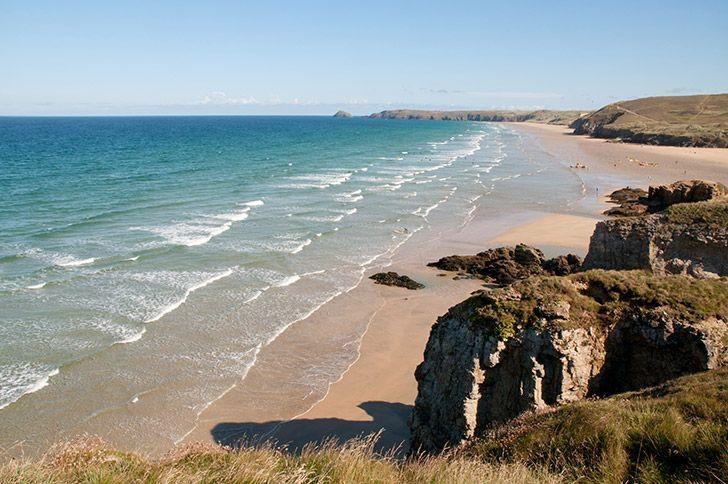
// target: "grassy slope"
[[676, 432], [713, 214], [91, 461], [673, 120]]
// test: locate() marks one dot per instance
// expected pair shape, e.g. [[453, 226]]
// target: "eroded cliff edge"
[[546, 341], [688, 238]]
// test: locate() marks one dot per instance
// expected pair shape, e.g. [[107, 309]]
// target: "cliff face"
[[551, 340], [684, 239]]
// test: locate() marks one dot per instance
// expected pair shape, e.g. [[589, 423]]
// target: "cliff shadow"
[[388, 419]]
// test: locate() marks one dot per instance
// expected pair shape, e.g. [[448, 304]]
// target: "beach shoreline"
[[345, 366], [376, 391]]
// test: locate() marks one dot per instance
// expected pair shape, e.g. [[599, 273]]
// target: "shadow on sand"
[[388, 418]]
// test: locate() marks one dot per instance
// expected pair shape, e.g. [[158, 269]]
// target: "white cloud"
[[498, 94], [219, 98]]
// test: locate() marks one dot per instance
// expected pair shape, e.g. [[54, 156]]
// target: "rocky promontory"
[[630, 317], [687, 238], [342, 114], [636, 201], [548, 340]]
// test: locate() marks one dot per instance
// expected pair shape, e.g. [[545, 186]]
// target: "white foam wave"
[[21, 379], [191, 235], [300, 247], [256, 295], [350, 197], [69, 261], [313, 273], [253, 203], [318, 180], [171, 307], [234, 216], [288, 280], [37, 286], [133, 337]]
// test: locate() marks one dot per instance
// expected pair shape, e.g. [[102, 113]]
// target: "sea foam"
[[171, 307]]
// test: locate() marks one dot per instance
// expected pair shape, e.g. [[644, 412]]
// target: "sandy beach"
[[377, 391]]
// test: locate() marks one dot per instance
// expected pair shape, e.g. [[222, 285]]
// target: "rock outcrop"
[[507, 264], [394, 279], [635, 201], [546, 341], [686, 238], [685, 191], [630, 202], [342, 114]]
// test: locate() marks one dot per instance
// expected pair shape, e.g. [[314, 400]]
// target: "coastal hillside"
[[675, 432], [540, 116], [672, 120]]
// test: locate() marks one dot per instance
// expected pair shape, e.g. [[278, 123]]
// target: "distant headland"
[[699, 121]]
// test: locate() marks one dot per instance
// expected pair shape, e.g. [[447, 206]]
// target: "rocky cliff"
[[550, 340], [636, 201], [686, 238]]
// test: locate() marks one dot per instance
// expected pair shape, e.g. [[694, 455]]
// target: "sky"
[[134, 57]]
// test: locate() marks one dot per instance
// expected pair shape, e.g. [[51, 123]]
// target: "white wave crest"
[[288, 280], [300, 247], [69, 261], [171, 307], [253, 203]]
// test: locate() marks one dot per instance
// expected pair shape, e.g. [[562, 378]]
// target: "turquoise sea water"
[[221, 231]]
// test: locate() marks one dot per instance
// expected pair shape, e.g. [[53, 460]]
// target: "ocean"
[[151, 258]]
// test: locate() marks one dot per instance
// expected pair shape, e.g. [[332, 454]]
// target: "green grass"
[[596, 299], [711, 213], [677, 432]]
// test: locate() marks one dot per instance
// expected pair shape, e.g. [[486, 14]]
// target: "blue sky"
[[312, 57]]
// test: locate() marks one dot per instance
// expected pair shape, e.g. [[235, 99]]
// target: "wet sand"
[[377, 391]]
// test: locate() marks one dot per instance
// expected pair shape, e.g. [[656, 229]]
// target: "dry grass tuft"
[[89, 460]]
